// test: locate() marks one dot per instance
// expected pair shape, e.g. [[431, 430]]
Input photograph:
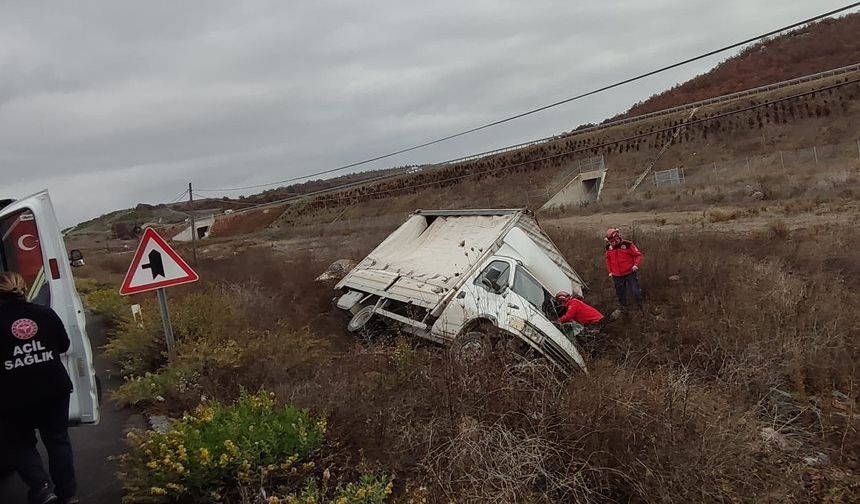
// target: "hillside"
[[821, 46], [817, 47], [121, 222], [824, 113], [279, 193]]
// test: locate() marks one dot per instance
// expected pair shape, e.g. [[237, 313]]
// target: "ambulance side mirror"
[[76, 258]]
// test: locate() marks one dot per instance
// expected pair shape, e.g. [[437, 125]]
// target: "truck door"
[[32, 245], [482, 297], [539, 312]]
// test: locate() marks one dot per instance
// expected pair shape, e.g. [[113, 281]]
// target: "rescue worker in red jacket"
[[577, 310], [622, 260], [35, 388]]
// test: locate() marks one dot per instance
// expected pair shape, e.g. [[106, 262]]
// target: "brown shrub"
[[717, 215], [246, 223], [798, 206], [671, 411], [778, 229], [274, 290], [115, 264]]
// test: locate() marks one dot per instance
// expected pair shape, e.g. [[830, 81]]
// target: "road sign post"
[[168, 328], [156, 266]]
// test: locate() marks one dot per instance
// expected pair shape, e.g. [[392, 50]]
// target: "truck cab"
[[467, 279], [33, 246], [509, 297]]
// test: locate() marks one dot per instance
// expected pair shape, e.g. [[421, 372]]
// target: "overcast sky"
[[109, 103]]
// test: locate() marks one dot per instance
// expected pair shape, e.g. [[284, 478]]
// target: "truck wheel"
[[360, 319], [470, 348]]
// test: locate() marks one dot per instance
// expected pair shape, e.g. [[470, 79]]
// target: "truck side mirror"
[[76, 258], [491, 280]]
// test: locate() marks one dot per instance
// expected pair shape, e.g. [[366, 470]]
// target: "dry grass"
[[672, 411], [778, 229], [114, 264], [721, 215]]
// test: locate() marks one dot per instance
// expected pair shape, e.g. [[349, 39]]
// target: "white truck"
[[470, 279]]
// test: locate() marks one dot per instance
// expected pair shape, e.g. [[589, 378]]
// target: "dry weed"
[[717, 215], [672, 410]]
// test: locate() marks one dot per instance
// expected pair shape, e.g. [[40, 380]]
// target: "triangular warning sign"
[[155, 265]]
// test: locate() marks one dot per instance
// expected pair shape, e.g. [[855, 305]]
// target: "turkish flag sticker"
[[24, 329]]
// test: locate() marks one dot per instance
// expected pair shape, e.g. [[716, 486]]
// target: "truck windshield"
[[530, 289]]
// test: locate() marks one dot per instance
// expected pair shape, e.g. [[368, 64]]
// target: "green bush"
[[194, 357], [147, 388], [87, 285], [218, 448], [203, 322], [214, 344], [109, 304], [369, 489], [138, 346]]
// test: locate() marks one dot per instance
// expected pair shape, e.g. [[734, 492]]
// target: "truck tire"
[[360, 319], [470, 348]]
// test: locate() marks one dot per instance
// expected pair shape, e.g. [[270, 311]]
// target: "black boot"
[[43, 495]]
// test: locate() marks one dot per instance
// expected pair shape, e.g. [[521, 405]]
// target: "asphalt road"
[[93, 445]]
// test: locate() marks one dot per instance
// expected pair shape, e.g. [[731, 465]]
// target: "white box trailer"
[[467, 278]]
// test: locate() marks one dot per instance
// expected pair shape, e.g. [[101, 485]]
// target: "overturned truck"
[[469, 279]]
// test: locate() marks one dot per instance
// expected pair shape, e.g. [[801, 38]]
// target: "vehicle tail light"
[[55, 269]]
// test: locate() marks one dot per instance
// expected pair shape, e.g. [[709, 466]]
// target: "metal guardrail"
[[816, 155], [672, 177], [663, 150], [710, 101]]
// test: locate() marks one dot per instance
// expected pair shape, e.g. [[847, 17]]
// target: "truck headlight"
[[533, 333]]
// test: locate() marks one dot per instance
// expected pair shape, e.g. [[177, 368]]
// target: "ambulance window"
[[21, 252]]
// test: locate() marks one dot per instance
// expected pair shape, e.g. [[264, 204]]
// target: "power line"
[[571, 152], [428, 168], [545, 107], [174, 200]]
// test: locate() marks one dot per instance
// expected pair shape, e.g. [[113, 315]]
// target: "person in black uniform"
[[35, 391]]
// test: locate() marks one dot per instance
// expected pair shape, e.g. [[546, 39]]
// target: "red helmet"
[[562, 297], [612, 233]]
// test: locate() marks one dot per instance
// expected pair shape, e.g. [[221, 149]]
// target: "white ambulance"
[[33, 246]]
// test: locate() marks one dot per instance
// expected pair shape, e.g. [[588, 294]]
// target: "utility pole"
[[193, 226]]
